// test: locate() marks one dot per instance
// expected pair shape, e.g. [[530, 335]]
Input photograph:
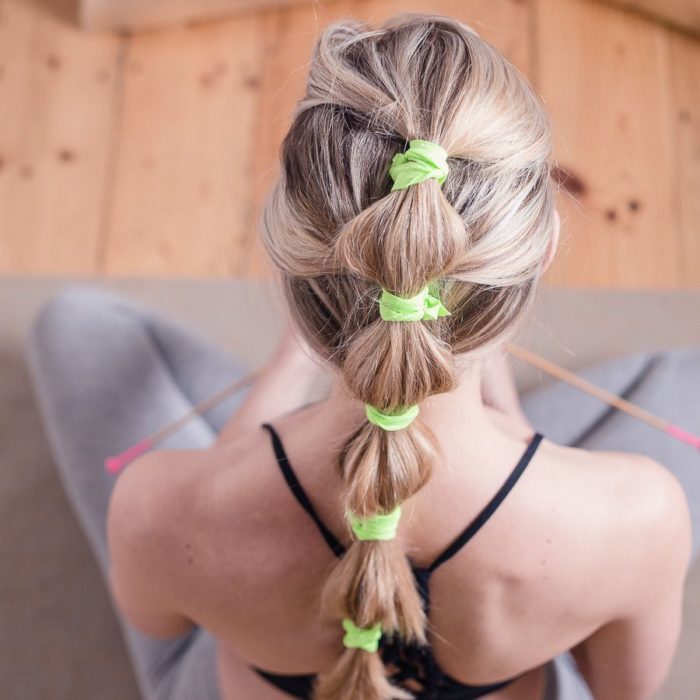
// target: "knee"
[[66, 313]]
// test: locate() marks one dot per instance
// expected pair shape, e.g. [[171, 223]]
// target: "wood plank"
[[685, 59], [290, 37], [57, 88], [183, 204], [136, 14], [139, 14], [683, 14], [292, 33], [182, 197], [612, 108]]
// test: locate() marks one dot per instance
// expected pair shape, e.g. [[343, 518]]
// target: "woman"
[[411, 533]]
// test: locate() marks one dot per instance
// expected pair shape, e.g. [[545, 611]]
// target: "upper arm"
[[142, 562], [629, 657]]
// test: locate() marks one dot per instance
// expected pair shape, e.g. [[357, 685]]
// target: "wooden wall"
[[135, 14], [149, 154], [684, 14], [119, 14]]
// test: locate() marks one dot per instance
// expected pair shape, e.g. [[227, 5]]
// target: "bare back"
[[534, 582]]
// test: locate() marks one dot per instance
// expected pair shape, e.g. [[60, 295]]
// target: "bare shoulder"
[[643, 520], [650, 492], [167, 497], [641, 491], [148, 508], [659, 517], [150, 505], [155, 485], [644, 542], [156, 499]]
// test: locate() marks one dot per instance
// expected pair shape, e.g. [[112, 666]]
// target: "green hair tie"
[[423, 160], [361, 638], [381, 526], [424, 306], [391, 421]]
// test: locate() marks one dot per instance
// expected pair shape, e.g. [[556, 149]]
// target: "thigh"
[[106, 373]]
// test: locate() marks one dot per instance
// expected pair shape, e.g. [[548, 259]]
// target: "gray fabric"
[[564, 682], [107, 371]]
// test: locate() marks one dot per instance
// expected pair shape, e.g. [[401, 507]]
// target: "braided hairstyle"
[[341, 236]]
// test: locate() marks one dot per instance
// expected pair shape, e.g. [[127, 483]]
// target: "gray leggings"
[[107, 371]]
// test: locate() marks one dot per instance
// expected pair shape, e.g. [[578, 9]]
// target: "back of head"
[[340, 235]]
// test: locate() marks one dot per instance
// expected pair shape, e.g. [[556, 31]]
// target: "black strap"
[[491, 506], [459, 542], [297, 489]]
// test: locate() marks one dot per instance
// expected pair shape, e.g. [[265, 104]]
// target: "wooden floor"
[[150, 154]]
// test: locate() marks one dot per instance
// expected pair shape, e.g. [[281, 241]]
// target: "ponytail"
[[386, 461]]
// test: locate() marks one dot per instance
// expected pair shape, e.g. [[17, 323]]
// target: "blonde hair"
[[338, 235]]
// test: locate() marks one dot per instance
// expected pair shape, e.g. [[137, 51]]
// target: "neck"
[[447, 411]]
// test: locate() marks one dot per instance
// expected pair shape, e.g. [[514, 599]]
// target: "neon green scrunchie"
[[361, 638], [422, 160], [391, 421], [381, 526], [425, 306]]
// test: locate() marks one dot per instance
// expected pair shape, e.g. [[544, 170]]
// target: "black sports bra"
[[415, 663]]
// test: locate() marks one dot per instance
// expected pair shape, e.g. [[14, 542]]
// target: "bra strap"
[[491, 506], [296, 488]]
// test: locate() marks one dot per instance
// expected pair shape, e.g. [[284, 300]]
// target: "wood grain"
[[290, 34], [684, 14], [606, 78], [151, 154], [58, 88], [685, 60], [139, 14], [183, 182]]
